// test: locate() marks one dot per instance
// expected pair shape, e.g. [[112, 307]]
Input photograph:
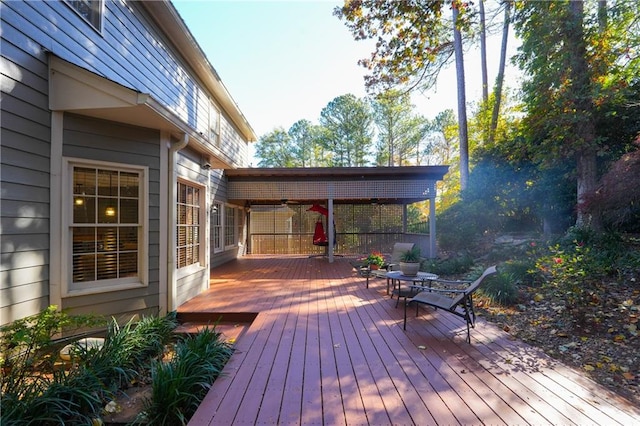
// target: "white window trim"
[[102, 286], [220, 206], [202, 262], [101, 15], [234, 227]]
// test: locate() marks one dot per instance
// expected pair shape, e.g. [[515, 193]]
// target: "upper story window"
[[214, 125], [90, 10], [107, 226]]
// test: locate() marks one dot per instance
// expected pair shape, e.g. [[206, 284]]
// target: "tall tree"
[[572, 70], [348, 130], [276, 149], [400, 130], [414, 42], [456, 7], [444, 131], [497, 93], [306, 143], [483, 53]]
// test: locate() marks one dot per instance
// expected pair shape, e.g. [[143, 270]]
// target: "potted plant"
[[375, 260], [410, 262]]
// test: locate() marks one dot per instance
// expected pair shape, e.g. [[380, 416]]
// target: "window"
[[190, 224], [214, 125], [107, 226], [90, 10], [216, 227], [229, 226]]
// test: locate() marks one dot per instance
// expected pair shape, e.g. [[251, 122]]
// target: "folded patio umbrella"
[[319, 237]]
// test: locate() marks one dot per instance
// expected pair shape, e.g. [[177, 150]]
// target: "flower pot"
[[374, 267], [410, 269]]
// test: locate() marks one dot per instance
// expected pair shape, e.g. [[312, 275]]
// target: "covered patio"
[[315, 346], [345, 195]]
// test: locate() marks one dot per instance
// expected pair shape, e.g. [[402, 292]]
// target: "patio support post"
[[330, 230], [404, 218], [432, 228]]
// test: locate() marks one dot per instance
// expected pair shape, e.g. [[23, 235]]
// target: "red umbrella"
[[318, 208]]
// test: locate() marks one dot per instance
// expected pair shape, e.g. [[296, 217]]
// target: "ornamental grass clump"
[[39, 389], [180, 384], [411, 256]]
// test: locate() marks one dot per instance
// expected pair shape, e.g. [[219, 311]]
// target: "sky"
[[285, 60]]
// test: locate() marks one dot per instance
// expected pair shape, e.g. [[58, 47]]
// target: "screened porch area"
[[291, 228], [336, 211]]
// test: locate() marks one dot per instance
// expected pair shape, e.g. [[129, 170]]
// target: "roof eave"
[[168, 18]]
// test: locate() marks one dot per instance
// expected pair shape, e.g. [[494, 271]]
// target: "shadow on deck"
[[319, 347]]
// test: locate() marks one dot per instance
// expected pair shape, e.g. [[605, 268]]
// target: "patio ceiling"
[[344, 185]]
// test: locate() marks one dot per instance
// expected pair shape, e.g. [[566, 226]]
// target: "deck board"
[[323, 349]]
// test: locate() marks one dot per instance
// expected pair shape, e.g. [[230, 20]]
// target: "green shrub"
[[450, 266], [522, 271], [180, 385], [501, 288], [33, 392]]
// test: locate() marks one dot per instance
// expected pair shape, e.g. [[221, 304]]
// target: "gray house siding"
[[24, 177], [138, 48], [94, 139]]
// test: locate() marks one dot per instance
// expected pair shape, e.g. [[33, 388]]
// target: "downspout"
[[171, 223]]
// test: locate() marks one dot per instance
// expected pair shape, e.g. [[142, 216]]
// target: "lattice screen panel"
[[410, 189]]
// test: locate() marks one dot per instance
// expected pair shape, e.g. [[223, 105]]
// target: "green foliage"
[[412, 38], [566, 270], [522, 271], [34, 392], [375, 258], [411, 256], [27, 345], [400, 130], [348, 124], [180, 385], [580, 259], [501, 288], [451, 266], [275, 149]]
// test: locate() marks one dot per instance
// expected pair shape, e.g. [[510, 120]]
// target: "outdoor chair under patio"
[[455, 297]]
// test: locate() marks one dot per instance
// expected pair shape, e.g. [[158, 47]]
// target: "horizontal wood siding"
[[232, 144], [24, 175], [131, 51], [107, 141], [191, 285], [218, 185]]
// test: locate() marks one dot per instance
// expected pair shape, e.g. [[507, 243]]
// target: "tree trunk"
[[483, 55], [586, 161], [500, 78], [462, 104]]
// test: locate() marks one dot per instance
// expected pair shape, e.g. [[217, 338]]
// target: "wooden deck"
[[324, 349]]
